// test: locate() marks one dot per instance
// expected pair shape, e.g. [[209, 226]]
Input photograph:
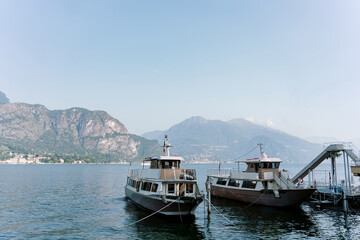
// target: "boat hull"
[[181, 206], [287, 197]]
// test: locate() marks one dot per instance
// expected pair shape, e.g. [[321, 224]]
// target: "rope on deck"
[[117, 229]]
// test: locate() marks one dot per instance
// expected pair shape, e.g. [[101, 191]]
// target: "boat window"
[[233, 183], [142, 185], [221, 181], [133, 183], [154, 187], [259, 165], [166, 164], [147, 186], [171, 188], [267, 165], [154, 164], [189, 188], [277, 165], [249, 184]]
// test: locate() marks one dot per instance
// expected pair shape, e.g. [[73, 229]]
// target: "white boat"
[[164, 188]]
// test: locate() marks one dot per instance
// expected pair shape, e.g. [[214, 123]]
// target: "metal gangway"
[[331, 151], [334, 192]]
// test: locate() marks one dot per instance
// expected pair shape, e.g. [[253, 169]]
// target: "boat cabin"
[[262, 165], [165, 162]]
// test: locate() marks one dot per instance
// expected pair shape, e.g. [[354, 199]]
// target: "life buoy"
[[302, 180]]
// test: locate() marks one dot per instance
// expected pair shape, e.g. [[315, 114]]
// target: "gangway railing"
[[349, 148]]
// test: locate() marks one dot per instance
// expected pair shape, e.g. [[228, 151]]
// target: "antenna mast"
[[166, 146], [260, 146]]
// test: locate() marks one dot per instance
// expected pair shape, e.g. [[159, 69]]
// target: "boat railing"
[[164, 174], [217, 172], [135, 172], [322, 180]]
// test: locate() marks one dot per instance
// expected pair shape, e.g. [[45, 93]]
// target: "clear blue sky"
[[151, 64]]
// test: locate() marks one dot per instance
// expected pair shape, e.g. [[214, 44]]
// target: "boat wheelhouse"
[[164, 183], [261, 183]]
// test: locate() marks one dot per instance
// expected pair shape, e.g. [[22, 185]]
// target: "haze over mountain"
[[197, 138], [75, 130]]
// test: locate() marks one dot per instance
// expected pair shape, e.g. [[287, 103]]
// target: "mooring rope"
[[179, 211], [256, 200], [220, 213], [146, 216]]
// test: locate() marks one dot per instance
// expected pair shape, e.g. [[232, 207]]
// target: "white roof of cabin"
[[264, 158]]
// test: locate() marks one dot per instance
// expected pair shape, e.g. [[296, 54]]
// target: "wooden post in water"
[[208, 193]]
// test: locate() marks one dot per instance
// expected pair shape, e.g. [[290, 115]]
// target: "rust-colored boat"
[[261, 183]]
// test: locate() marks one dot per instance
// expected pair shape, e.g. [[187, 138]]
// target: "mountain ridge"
[[74, 130], [197, 138]]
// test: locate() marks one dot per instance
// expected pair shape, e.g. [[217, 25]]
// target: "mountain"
[[322, 140], [3, 98], [200, 139], [70, 131], [153, 134]]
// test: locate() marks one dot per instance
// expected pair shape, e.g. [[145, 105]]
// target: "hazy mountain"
[[74, 130], [3, 98], [198, 139], [322, 140], [152, 135]]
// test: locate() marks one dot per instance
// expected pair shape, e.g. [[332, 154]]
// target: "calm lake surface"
[[88, 202]]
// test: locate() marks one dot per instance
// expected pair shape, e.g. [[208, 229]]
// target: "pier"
[[335, 193]]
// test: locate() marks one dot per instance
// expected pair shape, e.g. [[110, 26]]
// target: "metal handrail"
[[225, 172], [357, 150], [347, 145], [280, 178]]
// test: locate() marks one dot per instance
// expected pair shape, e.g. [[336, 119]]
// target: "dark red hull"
[[287, 197]]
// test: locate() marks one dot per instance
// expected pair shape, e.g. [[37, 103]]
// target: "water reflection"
[[160, 227], [336, 224], [261, 221]]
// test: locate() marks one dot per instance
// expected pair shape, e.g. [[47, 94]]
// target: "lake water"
[[88, 202]]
